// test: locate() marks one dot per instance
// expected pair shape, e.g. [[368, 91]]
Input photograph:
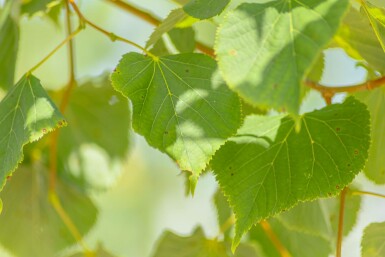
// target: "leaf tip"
[[193, 183]]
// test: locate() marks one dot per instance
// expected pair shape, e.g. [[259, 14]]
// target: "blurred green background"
[[148, 194]]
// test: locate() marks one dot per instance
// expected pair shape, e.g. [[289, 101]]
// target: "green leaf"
[[196, 245], [298, 244], [37, 229], [204, 9], [176, 16], [9, 42], [26, 114], [34, 6], [375, 167], [183, 39], [320, 217], [180, 105], [97, 115], [159, 48], [359, 41], [269, 167], [224, 212], [100, 252], [266, 50], [372, 244], [377, 20]]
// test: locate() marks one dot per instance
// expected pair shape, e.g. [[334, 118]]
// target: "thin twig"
[[366, 193], [111, 35], [153, 20], [341, 222], [274, 239]]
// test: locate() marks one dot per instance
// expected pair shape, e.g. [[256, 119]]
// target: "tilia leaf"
[[180, 105], [269, 167], [26, 114], [377, 20], [204, 9], [266, 50]]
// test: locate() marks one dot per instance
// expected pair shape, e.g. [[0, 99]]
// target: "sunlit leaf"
[[265, 50], [204, 9], [175, 17], [26, 114], [373, 241], [358, 39], [197, 245], [30, 225], [100, 252], [375, 167], [180, 105], [9, 42], [377, 20], [269, 167]]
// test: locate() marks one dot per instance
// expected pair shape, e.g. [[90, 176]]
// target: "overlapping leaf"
[[204, 9], [9, 42], [197, 245], [269, 167], [373, 240], [375, 167], [33, 6], [297, 243], [265, 50], [30, 225], [26, 114], [179, 105], [358, 39]]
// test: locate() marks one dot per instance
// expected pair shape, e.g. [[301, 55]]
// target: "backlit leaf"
[[358, 39], [265, 50], [269, 167], [377, 20], [180, 105], [26, 114], [33, 6]]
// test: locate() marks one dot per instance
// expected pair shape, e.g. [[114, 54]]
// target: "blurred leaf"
[[171, 245], [317, 69], [9, 42], [29, 224], [174, 17], [54, 11], [96, 114], [372, 244], [269, 167], [224, 211], [26, 114], [31, 7], [267, 69], [100, 252], [248, 109], [179, 106], [202, 9], [375, 166], [359, 41], [377, 20], [299, 244], [320, 217], [183, 39]]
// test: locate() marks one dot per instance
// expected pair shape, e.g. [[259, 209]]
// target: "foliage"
[[232, 108]]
